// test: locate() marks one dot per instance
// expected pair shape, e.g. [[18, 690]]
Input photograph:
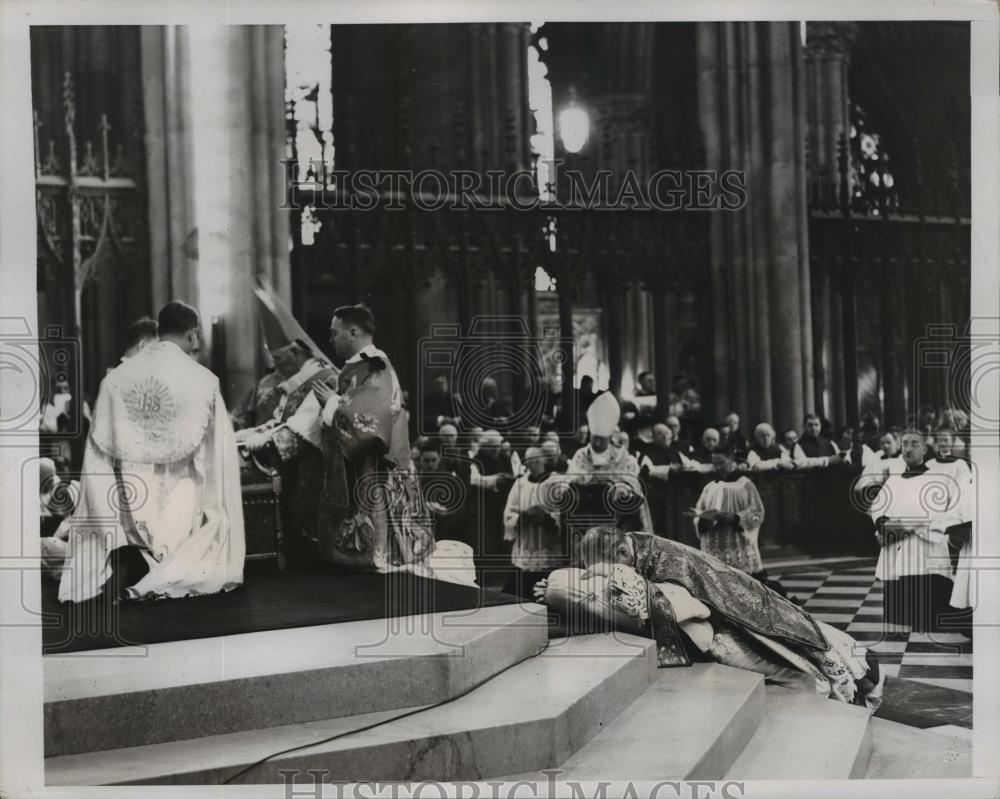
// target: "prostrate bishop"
[[160, 477]]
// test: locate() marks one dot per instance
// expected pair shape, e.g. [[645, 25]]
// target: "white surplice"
[[927, 504], [740, 550], [161, 418], [958, 470]]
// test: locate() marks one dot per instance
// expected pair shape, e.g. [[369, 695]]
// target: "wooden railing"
[[810, 511]]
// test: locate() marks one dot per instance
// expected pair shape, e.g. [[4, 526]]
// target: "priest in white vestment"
[[945, 462], [912, 513], [161, 432]]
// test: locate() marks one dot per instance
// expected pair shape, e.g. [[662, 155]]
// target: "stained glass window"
[[873, 187]]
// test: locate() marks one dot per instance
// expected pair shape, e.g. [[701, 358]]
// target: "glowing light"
[[308, 78], [543, 280], [210, 153], [542, 141], [574, 127]]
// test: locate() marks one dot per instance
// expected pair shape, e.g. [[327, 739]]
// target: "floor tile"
[[923, 647], [940, 659], [844, 618], [887, 646], [938, 638], [876, 626], [955, 685], [820, 602], [937, 672]]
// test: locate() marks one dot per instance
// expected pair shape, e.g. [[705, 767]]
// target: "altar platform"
[[268, 600], [328, 672]]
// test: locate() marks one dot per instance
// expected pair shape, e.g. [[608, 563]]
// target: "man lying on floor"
[[697, 608]]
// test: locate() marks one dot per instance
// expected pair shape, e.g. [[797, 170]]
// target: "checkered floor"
[[850, 599]]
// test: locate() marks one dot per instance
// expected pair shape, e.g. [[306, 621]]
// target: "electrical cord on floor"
[[413, 712]]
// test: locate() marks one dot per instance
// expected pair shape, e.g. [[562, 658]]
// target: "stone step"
[[806, 736], [191, 689], [903, 752], [532, 716], [691, 723]]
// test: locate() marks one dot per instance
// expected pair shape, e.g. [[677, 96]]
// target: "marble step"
[[532, 716], [191, 689], [691, 723], [903, 752], [806, 736]]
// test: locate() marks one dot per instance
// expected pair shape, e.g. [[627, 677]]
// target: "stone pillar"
[[173, 236], [238, 141], [638, 339], [752, 115], [827, 59]]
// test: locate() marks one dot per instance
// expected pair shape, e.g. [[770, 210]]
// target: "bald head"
[[663, 436], [490, 441], [607, 545], [448, 434]]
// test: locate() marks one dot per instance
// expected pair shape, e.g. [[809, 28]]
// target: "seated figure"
[[606, 476], [279, 420], [697, 608]]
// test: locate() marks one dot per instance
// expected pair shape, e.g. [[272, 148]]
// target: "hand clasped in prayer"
[[323, 393], [892, 533]]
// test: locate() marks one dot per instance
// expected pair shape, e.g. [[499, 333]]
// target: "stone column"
[[238, 142], [173, 236], [752, 115], [827, 59]]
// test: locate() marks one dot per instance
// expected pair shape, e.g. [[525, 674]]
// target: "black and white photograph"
[[529, 404]]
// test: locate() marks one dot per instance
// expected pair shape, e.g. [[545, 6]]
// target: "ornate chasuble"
[[154, 409], [301, 457], [732, 594], [372, 515], [161, 423], [260, 404]]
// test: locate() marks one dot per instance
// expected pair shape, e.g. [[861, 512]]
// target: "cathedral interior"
[[763, 219], [182, 163]]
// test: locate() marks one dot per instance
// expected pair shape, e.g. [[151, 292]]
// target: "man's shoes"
[[128, 567]]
